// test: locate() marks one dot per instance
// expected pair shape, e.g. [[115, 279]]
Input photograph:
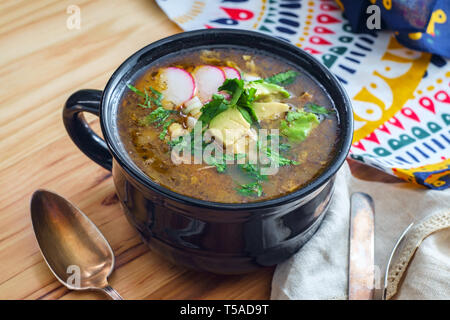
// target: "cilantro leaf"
[[156, 93], [314, 108], [176, 141], [252, 171], [216, 106], [154, 98], [146, 103], [157, 116], [245, 107], [221, 166], [283, 78], [235, 87], [136, 90], [244, 112], [250, 189], [279, 159], [242, 98], [281, 146], [284, 147], [166, 125], [247, 97]]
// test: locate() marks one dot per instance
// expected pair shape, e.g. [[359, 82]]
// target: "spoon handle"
[[112, 293]]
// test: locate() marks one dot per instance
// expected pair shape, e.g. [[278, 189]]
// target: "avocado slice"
[[269, 110], [298, 125], [229, 126], [265, 90]]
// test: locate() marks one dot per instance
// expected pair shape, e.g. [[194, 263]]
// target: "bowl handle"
[[82, 135]]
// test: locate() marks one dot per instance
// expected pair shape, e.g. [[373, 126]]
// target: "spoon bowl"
[[72, 246]]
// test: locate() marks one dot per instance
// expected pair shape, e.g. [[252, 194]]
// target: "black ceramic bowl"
[[209, 236]]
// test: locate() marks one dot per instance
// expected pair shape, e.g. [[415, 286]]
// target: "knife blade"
[[362, 247]]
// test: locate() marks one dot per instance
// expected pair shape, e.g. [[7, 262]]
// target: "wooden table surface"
[[42, 62]]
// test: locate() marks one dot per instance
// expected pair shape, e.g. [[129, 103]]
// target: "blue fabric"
[[418, 24]]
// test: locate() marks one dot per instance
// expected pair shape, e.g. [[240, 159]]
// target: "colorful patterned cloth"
[[400, 97]]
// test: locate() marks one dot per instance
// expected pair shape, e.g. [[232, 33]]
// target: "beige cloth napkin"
[[320, 269]]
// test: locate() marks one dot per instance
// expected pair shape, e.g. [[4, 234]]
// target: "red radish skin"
[[231, 73], [180, 85], [226, 95], [208, 79]]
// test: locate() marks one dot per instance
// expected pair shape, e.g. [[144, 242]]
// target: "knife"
[[361, 273]]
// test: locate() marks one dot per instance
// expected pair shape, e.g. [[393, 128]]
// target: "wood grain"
[[41, 63]]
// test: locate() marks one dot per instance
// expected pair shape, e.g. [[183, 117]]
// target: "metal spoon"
[[394, 255], [74, 249]]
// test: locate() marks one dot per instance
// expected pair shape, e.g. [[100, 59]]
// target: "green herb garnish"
[[279, 159], [250, 189], [216, 106], [221, 164], [241, 98], [176, 141], [136, 90], [283, 78], [235, 87], [252, 171], [156, 93], [151, 100], [314, 108], [281, 146], [166, 125], [275, 157], [284, 147], [245, 107], [157, 117]]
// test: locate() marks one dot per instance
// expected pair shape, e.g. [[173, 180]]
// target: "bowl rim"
[[145, 180]]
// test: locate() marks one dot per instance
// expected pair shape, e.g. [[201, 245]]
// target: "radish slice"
[[208, 80], [231, 73], [180, 85]]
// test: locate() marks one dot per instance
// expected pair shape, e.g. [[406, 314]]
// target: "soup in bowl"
[[238, 104], [223, 146]]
